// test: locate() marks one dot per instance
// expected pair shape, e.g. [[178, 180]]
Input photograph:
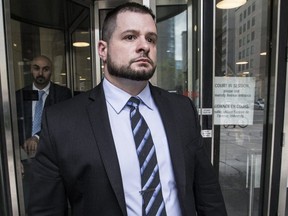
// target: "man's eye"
[[36, 68], [130, 37], [151, 40]]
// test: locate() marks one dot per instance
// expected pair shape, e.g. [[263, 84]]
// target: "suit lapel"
[[99, 120], [51, 96], [173, 138]]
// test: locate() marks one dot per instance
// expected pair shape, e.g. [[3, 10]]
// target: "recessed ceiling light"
[[82, 78], [81, 44], [229, 4], [241, 62]]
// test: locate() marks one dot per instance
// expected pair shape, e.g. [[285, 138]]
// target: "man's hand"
[[30, 145]]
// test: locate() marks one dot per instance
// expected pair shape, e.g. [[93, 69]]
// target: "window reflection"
[[29, 41], [172, 49], [239, 102], [82, 61]]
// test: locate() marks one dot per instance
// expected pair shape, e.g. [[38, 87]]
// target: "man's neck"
[[41, 87], [132, 87]]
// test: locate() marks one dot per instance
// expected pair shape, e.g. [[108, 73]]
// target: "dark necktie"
[[151, 192], [38, 113]]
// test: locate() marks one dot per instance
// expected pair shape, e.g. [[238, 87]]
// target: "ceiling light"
[[81, 44], [82, 78], [229, 4], [241, 62], [263, 53]]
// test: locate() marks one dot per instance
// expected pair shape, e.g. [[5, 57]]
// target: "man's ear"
[[102, 50]]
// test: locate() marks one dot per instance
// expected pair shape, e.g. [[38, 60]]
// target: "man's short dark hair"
[[109, 24]]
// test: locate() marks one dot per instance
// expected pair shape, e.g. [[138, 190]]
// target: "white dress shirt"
[[119, 117]]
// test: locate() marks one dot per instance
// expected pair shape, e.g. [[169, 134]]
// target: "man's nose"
[[143, 45], [41, 71]]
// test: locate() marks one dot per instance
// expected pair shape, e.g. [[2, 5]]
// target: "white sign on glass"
[[234, 100]]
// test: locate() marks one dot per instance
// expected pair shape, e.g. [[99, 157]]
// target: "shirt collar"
[[117, 98]]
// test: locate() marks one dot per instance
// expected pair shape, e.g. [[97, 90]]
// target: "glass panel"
[[81, 56], [239, 102], [172, 49], [30, 41]]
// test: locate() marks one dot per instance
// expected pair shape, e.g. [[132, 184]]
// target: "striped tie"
[[38, 114], [151, 192]]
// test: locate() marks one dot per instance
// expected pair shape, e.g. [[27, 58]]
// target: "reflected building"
[[243, 43], [166, 54]]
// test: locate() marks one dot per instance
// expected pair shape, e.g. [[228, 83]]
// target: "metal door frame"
[[13, 166], [284, 158]]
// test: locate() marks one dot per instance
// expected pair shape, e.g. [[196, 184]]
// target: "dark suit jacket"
[[57, 93], [77, 159]]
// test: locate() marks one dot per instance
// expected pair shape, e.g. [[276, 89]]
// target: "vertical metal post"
[[96, 62], [6, 109]]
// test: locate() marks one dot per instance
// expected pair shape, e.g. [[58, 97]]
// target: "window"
[[253, 21], [252, 50], [253, 7], [252, 36]]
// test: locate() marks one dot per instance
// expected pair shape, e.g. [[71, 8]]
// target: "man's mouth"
[[141, 59], [40, 79]]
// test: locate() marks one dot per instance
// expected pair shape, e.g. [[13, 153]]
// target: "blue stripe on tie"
[[150, 178], [143, 141], [147, 159], [138, 125], [153, 198], [133, 112], [160, 209]]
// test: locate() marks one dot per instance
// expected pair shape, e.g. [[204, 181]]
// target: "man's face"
[[41, 70], [131, 49]]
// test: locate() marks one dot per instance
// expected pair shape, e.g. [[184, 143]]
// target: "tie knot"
[[133, 102], [40, 93]]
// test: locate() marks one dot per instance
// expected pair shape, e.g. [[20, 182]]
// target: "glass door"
[[80, 47], [283, 186], [283, 201], [240, 100], [51, 35]]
